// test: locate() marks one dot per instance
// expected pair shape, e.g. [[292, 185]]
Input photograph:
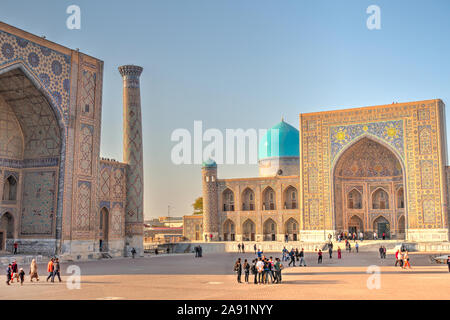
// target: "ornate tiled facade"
[[53, 185], [372, 169]]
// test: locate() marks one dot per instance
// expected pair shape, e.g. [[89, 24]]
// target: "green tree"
[[198, 206]]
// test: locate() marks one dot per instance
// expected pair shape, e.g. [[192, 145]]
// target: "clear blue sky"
[[244, 64]]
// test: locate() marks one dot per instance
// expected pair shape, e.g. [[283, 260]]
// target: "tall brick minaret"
[[133, 156]]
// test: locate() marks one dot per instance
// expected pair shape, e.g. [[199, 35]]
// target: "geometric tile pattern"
[[52, 68], [389, 131], [87, 103], [38, 205], [84, 206], [410, 130], [86, 149]]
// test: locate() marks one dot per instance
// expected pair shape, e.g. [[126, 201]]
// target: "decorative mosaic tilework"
[[38, 205], [117, 218], [105, 183], [426, 169], [86, 149], [428, 211], [389, 131], [118, 183], [88, 81], [52, 68], [425, 143], [84, 206]]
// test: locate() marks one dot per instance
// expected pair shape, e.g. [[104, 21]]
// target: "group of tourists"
[[13, 272], [241, 247], [349, 236], [293, 255], [261, 268]]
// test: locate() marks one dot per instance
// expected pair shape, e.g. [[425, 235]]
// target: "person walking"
[[375, 236], [238, 269], [284, 253], [34, 270], [292, 256], [8, 274], [319, 261], [361, 236], [278, 266], [254, 248], [21, 276], [406, 261], [16, 245], [14, 271], [381, 252], [302, 258], [384, 236], [384, 252], [50, 269], [297, 254], [246, 270], [239, 247], [357, 247], [56, 270], [349, 247], [339, 253], [242, 247], [330, 251]]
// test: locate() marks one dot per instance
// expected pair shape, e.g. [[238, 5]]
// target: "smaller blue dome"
[[282, 140], [210, 163]]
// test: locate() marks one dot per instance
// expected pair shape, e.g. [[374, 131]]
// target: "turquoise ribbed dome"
[[286, 146], [210, 163]]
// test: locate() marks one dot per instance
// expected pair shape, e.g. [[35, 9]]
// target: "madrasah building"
[[373, 169], [57, 195]]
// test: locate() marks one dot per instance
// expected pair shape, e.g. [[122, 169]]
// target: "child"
[[21, 276]]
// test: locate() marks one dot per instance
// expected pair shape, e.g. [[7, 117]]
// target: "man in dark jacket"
[[56, 270], [238, 270]]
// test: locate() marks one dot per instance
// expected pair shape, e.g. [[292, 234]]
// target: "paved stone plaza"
[[182, 276]]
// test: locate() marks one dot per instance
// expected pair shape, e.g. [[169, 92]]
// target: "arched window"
[[268, 199], [400, 199], [380, 199], [228, 200], [290, 198], [7, 224], [270, 230], [248, 200], [354, 200], [10, 189]]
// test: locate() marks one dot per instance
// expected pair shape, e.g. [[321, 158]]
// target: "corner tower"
[[133, 157], [210, 209]]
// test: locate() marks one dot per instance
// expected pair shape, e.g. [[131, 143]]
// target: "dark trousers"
[[239, 277], [50, 275], [292, 261], [15, 250], [260, 277], [449, 268], [246, 276], [56, 273], [320, 260], [278, 276], [268, 274], [255, 279]]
